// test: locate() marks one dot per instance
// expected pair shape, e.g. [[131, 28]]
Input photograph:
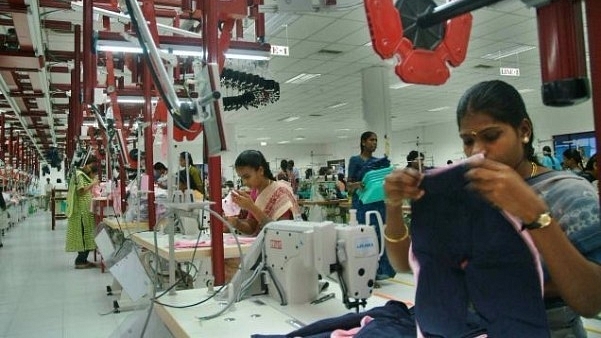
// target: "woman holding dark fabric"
[[358, 166], [559, 210], [80, 224]]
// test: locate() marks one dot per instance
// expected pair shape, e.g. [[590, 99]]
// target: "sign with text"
[[280, 50], [508, 71]]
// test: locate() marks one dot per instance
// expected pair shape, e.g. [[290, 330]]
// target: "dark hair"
[[159, 166], [364, 138], [547, 149], [341, 178], [186, 155], [91, 159], [573, 154], [502, 102], [2, 201], [413, 155], [591, 163], [254, 159], [284, 165]]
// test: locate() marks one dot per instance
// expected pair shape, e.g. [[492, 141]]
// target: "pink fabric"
[[227, 240], [352, 332]]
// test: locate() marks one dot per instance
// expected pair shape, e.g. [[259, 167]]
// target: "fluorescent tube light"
[[438, 109], [283, 142], [179, 50], [400, 85], [503, 53], [134, 99], [263, 144], [247, 55], [303, 77], [338, 105], [291, 118]]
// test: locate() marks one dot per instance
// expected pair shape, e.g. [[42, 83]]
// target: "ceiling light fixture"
[[179, 50], [134, 99], [283, 142], [263, 144], [503, 53], [303, 77], [439, 109], [337, 105], [400, 85], [291, 118]]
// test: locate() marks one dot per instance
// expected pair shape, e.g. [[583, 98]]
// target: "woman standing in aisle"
[[357, 168], [559, 210], [80, 224], [268, 200]]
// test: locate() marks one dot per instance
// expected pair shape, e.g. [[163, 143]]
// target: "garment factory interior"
[[296, 80]]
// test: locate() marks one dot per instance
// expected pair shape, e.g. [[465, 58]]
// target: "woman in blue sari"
[[358, 166]]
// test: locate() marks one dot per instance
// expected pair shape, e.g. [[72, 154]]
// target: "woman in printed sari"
[[80, 224], [268, 200]]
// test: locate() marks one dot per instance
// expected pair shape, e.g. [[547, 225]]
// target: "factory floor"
[[42, 294]]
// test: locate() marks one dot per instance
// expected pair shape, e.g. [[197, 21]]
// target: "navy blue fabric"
[[391, 320], [475, 269]]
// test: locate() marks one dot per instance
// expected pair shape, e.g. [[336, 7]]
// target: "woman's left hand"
[[503, 187], [243, 199]]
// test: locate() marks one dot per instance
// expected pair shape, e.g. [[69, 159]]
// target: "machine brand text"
[[275, 244]]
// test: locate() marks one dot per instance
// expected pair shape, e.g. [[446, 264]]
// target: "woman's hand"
[[243, 199], [401, 184], [503, 187]]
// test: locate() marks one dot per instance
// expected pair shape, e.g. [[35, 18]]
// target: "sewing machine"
[[288, 256]]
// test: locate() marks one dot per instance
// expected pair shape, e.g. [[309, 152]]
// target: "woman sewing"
[[268, 199], [559, 210]]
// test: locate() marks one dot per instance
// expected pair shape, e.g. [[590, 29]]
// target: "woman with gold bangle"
[[559, 210]]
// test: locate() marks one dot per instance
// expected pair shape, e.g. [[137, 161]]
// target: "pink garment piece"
[[227, 240], [352, 332]]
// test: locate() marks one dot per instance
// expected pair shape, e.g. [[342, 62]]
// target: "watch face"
[[544, 220]]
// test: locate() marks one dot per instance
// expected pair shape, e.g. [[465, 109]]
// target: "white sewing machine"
[[288, 256]]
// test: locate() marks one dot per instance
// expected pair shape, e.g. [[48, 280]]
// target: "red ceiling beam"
[[23, 33], [65, 26], [55, 4], [13, 7], [26, 61], [23, 95]]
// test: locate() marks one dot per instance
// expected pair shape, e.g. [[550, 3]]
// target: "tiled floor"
[[42, 295]]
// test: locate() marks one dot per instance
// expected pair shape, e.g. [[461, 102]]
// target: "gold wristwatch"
[[542, 221]]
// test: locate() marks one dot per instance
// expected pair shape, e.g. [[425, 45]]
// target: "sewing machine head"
[[294, 253]]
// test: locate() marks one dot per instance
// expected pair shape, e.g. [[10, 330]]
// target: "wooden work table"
[[121, 224], [146, 240]]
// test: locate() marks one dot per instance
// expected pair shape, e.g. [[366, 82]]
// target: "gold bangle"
[[400, 239], [393, 203]]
